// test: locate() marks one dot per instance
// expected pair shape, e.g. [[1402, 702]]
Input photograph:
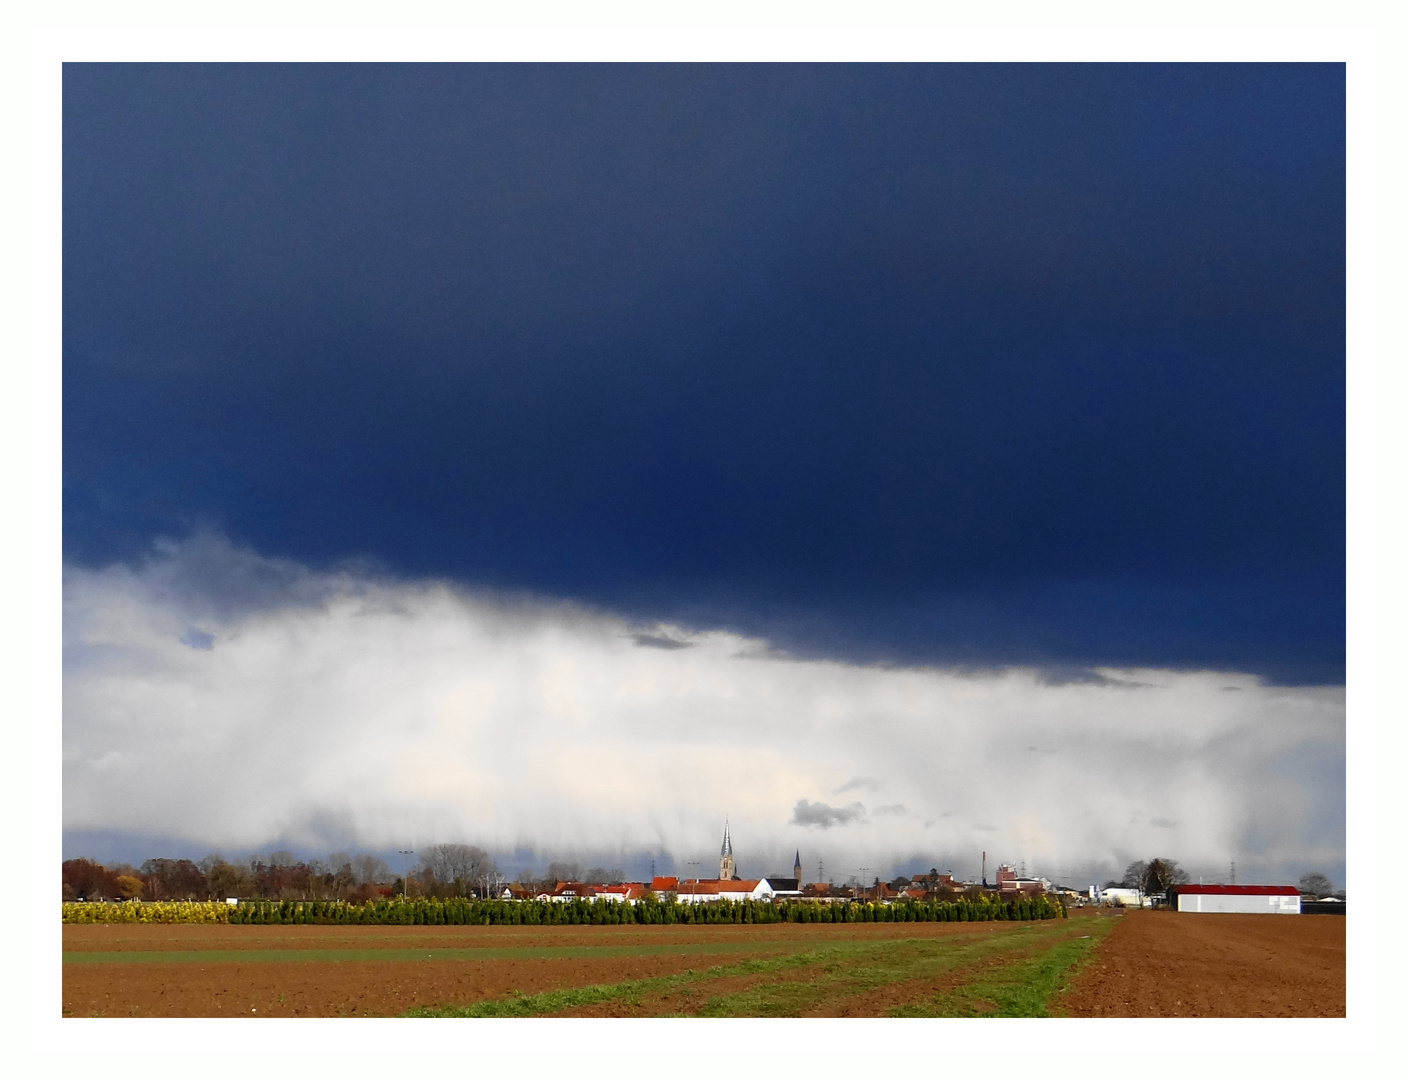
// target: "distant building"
[[784, 887], [564, 892], [1011, 887], [1240, 899], [702, 892], [1124, 898]]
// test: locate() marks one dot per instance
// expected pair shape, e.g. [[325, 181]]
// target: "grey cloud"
[[822, 816], [1163, 823], [867, 782], [893, 808], [651, 641], [985, 828]]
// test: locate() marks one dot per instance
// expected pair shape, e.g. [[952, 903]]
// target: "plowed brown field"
[[1165, 963], [1094, 964], [217, 970]]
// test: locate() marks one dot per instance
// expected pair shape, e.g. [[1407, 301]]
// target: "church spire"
[[726, 856], [797, 867]]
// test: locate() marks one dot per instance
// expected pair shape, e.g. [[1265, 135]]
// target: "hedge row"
[[466, 912], [165, 911]]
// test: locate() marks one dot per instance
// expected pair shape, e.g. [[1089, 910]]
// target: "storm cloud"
[[391, 710], [824, 816]]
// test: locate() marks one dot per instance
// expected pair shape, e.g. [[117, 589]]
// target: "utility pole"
[[1234, 874], [406, 880]]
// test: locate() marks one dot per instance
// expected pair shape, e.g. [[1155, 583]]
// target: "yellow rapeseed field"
[[162, 911]]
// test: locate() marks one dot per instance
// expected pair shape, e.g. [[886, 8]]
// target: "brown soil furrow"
[[119, 937], [1163, 963], [354, 988]]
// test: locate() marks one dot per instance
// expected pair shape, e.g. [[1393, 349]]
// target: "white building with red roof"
[[691, 891], [1239, 899]]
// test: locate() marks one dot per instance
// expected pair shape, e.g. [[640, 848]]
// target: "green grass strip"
[[336, 956], [551, 1001], [870, 963], [1022, 988], [887, 963]]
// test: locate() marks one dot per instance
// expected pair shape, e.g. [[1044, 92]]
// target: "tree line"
[[443, 870]]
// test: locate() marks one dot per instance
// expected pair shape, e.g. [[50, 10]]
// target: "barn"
[[1242, 899]]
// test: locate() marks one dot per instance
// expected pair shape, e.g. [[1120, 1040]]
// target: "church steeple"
[[726, 856], [797, 868]]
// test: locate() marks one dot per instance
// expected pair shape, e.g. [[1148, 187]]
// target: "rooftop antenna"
[[985, 869], [1234, 874], [652, 868]]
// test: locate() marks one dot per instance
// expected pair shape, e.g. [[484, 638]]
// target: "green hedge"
[[651, 910]]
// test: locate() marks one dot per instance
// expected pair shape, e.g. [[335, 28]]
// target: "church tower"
[[726, 857], [797, 867]]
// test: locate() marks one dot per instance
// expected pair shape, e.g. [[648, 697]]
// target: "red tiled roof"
[[631, 890], [1239, 890]]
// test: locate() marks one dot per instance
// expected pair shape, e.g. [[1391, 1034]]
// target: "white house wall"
[[1232, 904]]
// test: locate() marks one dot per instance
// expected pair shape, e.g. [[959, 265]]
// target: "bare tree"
[[1317, 884], [1135, 874], [1155, 876], [1163, 875], [370, 870], [461, 865], [563, 871]]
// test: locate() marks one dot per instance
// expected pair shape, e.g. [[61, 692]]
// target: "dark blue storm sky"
[[952, 364]]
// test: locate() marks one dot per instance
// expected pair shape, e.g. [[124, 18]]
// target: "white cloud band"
[[218, 696]]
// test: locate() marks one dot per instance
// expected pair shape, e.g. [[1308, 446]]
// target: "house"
[[564, 892], [701, 892], [629, 892]]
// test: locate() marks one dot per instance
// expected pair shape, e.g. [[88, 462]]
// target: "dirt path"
[[1163, 963]]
